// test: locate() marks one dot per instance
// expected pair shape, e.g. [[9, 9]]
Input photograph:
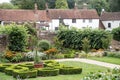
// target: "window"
[[109, 25], [41, 21], [90, 20], [83, 20], [60, 20], [73, 20], [56, 28]]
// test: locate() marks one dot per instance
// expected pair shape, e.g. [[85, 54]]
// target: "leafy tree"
[[71, 3], [29, 4], [114, 5], [81, 2], [99, 5], [61, 4], [7, 6], [51, 3]]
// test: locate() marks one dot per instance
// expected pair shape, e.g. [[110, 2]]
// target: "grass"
[[86, 69], [107, 59]]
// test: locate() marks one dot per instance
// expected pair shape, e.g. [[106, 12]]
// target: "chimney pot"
[[36, 8]]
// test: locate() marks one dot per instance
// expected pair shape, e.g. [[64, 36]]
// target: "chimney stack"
[[75, 6], [36, 8], [84, 6], [102, 11], [46, 6]]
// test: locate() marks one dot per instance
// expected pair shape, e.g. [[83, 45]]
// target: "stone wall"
[[3, 42], [47, 35]]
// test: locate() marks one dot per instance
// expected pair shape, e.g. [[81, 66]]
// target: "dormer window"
[[109, 25], [73, 20]]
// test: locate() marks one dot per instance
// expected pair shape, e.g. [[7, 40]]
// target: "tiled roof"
[[110, 16], [68, 14], [43, 15], [22, 15]]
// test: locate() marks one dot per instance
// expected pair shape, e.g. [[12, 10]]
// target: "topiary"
[[44, 45]]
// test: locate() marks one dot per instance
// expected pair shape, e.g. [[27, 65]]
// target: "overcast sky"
[[1, 1]]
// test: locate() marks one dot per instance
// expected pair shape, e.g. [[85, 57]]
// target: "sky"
[[1, 1]]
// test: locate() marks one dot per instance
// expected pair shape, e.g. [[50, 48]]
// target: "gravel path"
[[109, 65]]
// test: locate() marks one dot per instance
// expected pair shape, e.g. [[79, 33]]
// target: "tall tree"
[[29, 4], [71, 3], [61, 4], [99, 5], [7, 6], [114, 5], [51, 3]]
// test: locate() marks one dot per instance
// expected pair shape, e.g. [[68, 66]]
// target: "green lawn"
[[107, 59], [86, 69]]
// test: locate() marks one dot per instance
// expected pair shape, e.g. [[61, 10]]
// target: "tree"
[[7, 6], [29, 4], [114, 5], [99, 5], [61, 4], [71, 3]]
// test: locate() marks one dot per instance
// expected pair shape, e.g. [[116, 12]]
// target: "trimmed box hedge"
[[48, 72], [3, 66], [10, 70], [29, 65], [70, 70], [25, 74]]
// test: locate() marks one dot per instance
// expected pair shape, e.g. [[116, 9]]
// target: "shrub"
[[18, 38], [28, 65], [109, 75], [17, 58], [70, 70], [9, 54], [48, 72], [59, 56], [113, 54], [10, 70], [72, 38], [86, 45], [31, 30], [3, 66], [44, 45], [25, 74], [116, 33]]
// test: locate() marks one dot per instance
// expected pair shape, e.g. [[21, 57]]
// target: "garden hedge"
[[48, 72], [53, 64], [29, 65], [10, 70], [25, 74], [70, 70], [72, 38], [116, 33], [3, 66]]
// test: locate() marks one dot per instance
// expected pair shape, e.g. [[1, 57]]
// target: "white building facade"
[[110, 20]]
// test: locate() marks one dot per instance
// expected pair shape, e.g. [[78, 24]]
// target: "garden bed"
[[87, 68]]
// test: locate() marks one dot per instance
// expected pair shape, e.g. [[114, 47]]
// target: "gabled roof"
[[106, 16], [73, 13], [22, 15], [46, 15]]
